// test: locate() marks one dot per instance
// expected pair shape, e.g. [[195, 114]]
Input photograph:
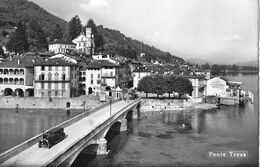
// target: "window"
[[50, 68], [56, 93], [49, 76], [111, 73], [56, 86], [63, 77], [79, 44], [49, 85], [98, 75], [56, 76], [43, 68], [63, 86], [91, 75], [42, 85], [41, 77], [91, 81], [98, 81]]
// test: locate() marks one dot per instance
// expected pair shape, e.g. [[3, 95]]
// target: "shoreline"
[[205, 106], [173, 104]]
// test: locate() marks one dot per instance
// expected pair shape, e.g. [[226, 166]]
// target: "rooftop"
[[62, 42], [141, 70], [20, 61]]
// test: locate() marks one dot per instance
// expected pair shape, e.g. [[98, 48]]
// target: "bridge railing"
[[94, 132], [28, 143]]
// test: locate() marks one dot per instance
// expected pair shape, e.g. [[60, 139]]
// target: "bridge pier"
[[102, 146], [123, 126]]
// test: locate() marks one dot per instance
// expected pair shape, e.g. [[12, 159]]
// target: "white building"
[[61, 46], [216, 87], [98, 76], [85, 43], [103, 57], [16, 76], [56, 76], [139, 74]]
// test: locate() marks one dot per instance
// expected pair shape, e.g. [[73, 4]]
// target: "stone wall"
[[46, 103], [168, 104]]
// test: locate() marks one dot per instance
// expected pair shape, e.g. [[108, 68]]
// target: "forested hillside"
[[37, 19]]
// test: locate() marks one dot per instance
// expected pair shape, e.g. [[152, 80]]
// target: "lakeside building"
[[16, 76], [198, 81], [85, 42], [138, 74], [56, 76], [216, 87], [59, 46], [98, 75]]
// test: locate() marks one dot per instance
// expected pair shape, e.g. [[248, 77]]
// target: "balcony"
[[54, 80]]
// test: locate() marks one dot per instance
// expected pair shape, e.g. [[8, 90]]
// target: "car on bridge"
[[52, 137]]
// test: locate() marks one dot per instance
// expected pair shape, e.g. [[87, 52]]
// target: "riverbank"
[[174, 104], [79, 103]]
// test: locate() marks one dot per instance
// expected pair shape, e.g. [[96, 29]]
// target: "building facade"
[[98, 76], [56, 76], [139, 74], [61, 46], [216, 87], [85, 42], [16, 76]]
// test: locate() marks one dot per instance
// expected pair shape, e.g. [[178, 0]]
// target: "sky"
[[219, 31]]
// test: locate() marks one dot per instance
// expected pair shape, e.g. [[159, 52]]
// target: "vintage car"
[[52, 137]]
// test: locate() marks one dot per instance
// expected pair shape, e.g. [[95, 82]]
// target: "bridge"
[[91, 132]]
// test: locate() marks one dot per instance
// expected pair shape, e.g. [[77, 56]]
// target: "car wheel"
[[39, 145]]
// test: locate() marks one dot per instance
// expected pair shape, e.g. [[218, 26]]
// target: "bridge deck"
[[34, 156]]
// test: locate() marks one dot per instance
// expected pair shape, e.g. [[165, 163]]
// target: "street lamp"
[[110, 102]]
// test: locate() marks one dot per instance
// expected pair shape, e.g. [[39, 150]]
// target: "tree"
[[145, 85], [183, 86], [171, 84], [75, 27], [36, 37], [159, 85], [99, 41], [18, 42], [4, 33], [57, 33], [2, 54]]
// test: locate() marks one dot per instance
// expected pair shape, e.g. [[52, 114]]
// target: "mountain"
[[12, 11], [115, 41], [198, 61], [248, 63]]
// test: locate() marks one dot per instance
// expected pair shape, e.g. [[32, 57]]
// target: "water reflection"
[[158, 140]]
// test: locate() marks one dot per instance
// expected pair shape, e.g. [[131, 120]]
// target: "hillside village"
[[60, 73], [89, 60]]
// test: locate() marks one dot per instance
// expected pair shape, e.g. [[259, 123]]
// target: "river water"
[[17, 127], [158, 140]]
